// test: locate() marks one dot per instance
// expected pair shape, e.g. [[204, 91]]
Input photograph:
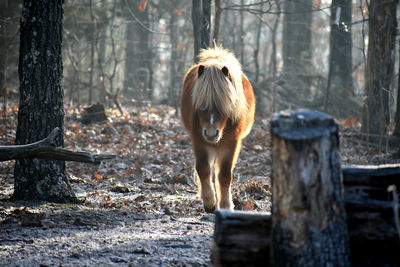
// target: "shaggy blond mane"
[[214, 90]]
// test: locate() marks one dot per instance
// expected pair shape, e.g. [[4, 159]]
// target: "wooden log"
[[45, 149], [241, 239], [370, 218], [374, 239], [309, 218]]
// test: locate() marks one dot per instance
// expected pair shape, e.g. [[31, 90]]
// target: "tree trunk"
[[308, 213], [206, 24], [396, 131], [137, 53], [201, 20], [340, 81], [41, 101], [172, 92], [217, 21], [257, 49], [9, 11], [380, 64], [196, 21], [297, 47], [92, 50]]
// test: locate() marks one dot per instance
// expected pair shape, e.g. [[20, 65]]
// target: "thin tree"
[[296, 50], [340, 81], [137, 72], [201, 18], [41, 101]]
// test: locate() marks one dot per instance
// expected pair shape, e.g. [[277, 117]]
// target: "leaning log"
[[309, 219], [45, 149]]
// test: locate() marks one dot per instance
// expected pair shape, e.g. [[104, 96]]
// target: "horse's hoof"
[[209, 210]]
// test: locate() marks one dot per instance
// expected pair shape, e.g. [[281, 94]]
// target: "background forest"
[[310, 53], [142, 207]]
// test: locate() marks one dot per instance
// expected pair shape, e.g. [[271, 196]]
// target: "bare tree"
[[41, 101]]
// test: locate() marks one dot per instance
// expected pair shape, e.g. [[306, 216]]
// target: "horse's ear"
[[200, 70], [225, 71]]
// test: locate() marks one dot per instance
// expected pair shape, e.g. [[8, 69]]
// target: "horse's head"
[[212, 124], [215, 83]]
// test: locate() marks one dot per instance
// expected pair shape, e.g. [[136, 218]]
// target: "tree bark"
[[309, 218], [380, 64], [41, 101]]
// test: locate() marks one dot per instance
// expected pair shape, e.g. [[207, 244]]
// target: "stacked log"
[[374, 239], [247, 239]]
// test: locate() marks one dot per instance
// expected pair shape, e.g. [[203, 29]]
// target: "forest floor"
[[142, 208]]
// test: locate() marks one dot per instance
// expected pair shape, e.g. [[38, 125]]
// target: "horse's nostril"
[[205, 132], [216, 132]]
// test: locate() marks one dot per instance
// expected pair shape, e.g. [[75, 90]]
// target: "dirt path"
[[77, 235], [141, 209]]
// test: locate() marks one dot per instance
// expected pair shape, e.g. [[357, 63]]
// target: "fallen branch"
[[45, 149]]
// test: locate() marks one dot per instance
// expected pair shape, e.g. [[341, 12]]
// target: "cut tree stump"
[[308, 219], [94, 113], [45, 149]]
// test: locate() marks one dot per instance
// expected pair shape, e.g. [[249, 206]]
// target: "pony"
[[217, 110]]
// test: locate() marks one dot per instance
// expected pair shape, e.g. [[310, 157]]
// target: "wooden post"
[[308, 214]]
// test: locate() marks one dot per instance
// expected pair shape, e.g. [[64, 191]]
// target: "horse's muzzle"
[[211, 135]]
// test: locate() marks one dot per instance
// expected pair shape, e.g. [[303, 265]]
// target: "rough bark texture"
[[41, 101], [382, 26], [309, 219]]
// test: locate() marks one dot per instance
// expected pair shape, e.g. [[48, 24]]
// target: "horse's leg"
[[205, 173], [227, 163]]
